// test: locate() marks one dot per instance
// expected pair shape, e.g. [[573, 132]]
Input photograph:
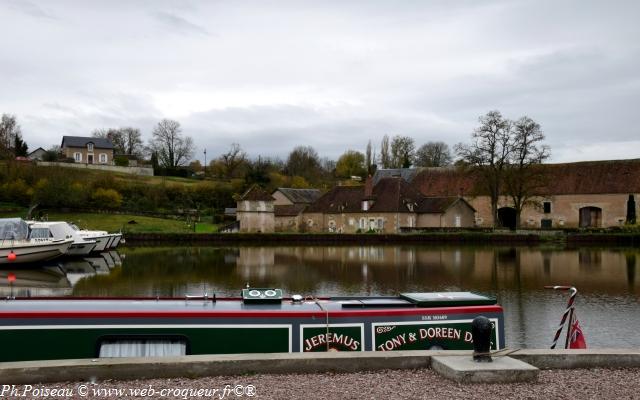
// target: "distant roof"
[[439, 205], [256, 193], [590, 177], [297, 196], [389, 195], [289, 210], [81, 141], [405, 173], [40, 149]]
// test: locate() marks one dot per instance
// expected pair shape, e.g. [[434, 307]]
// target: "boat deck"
[[211, 304]]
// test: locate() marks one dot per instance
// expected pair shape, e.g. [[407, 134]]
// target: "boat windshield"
[[40, 233], [13, 229]]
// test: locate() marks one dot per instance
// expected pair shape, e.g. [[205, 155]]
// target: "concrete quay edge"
[[29, 372]]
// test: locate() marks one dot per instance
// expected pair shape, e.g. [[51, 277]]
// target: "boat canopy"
[[13, 229]]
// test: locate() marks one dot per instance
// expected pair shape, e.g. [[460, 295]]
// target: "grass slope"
[[117, 222]]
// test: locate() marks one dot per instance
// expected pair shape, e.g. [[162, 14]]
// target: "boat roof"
[[225, 305]]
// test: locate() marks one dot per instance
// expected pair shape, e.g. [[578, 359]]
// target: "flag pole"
[[569, 328], [568, 311]]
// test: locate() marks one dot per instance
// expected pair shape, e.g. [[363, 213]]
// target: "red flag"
[[576, 338]]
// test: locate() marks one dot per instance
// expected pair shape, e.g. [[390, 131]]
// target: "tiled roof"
[[405, 173], [393, 195], [339, 199], [305, 196], [439, 205], [256, 193], [445, 182], [389, 195], [80, 141], [290, 210], [592, 177]]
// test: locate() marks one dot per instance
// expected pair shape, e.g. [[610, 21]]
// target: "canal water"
[[607, 304]]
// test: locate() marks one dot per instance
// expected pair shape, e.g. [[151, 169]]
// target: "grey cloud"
[[330, 74], [31, 9], [179, 24], [275, 131]]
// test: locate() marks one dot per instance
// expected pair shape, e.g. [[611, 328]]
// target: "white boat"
[[17, 247], [103, 238], [116, 240], [62, 230]]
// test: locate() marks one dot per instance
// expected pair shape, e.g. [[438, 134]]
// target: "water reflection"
[[54, 278], [607, 303]]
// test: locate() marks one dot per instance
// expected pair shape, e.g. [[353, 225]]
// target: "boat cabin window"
[[40, 233], [143, 348]]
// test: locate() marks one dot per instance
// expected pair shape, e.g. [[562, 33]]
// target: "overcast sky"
[[271, 75]]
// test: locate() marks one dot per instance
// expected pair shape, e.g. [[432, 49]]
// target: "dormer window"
[[365, 205], [90, 147], [410, 206]]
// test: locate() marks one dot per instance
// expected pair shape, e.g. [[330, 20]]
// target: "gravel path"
[[614, 384]]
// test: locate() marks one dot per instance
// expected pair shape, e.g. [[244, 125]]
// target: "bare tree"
[[132, 140], [172, 148], [523, 176], [126, 140], [9, 129], [489, 154], [402, 151], [232, 160], [385, 152], [433, 154], [304, 161]]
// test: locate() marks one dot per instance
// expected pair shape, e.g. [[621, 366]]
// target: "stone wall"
[[143, 171], [256, 216], [565, 209], [69, 152], [352, 222]]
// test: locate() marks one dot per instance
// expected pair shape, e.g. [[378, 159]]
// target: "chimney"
[[368, 187]]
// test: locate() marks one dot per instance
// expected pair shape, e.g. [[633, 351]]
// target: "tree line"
[[503, 154]]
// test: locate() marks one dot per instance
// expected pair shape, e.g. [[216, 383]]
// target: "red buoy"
[[12, 256], [11, 277]]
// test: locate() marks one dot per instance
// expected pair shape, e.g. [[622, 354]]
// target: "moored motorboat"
[[106, 240], [17, 247], [261, 321], [116, 241], [62, 230]]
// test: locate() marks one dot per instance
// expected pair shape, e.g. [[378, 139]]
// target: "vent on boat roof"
[[377, 303], [261, 296], [448, 299]]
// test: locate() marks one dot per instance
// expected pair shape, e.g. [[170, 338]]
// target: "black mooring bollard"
[[481, 331]]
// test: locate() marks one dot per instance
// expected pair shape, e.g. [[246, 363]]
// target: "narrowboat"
[[260, 321]]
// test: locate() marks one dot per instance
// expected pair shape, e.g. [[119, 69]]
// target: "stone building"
[[254, 211], [88, 150], [289, 205], [391, 206], [582, 194]]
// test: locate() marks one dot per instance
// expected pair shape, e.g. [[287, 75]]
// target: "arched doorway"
[[507, 217], [590, 217]]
